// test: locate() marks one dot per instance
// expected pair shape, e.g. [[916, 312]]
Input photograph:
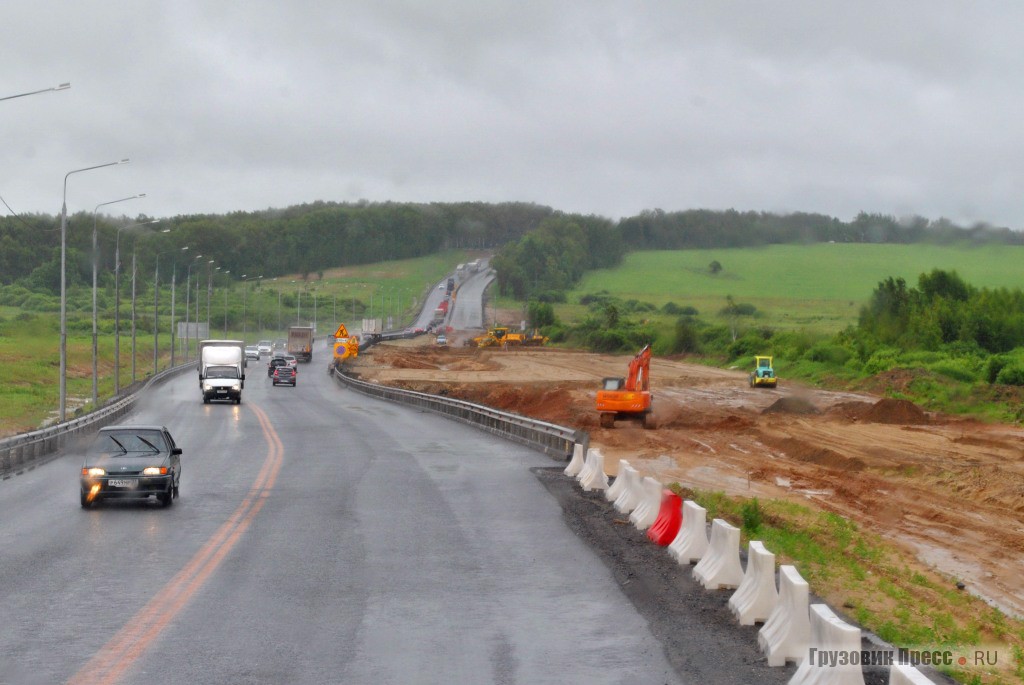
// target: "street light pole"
[[209, 293], [226, 307], [64, 291], [188, 294], [134, 273], [117, 301], [63, 86], [95, 336]]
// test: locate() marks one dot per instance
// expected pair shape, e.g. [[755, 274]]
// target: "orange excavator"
[[628, 398]]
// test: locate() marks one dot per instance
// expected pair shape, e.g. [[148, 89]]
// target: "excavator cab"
[[613, 383]]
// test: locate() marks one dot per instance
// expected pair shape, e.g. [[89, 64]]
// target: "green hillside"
[[822, 285]]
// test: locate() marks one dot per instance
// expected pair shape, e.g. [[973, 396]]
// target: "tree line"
[[541, 252], [302, 239]]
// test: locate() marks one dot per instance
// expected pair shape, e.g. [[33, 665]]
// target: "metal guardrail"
[[554, 440], [25, 451]]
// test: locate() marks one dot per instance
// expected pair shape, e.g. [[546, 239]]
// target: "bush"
[[826, 353], [686, 337], [41, 303], [955, 369], [881, 360], [555, 333], [551, 296], [1012, 374], [600, 298], [994, 365], [739, 309], [750, 344], [752, 515], [612, 340]]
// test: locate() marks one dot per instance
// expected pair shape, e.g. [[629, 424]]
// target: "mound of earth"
[[791, 405], [896, 411], [854, 411]]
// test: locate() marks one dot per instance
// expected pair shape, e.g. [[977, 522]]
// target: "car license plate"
[[123, 482], [221, 391]]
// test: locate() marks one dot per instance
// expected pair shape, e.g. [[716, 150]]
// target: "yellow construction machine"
[[763, 375]]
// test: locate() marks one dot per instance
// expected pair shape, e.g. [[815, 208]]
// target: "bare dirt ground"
[[950, 489]]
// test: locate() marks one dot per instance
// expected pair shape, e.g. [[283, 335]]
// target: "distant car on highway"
[[442, 339], [275, 361], [285, 375], [264, 347], [131, 462], [280, 345], [252, 352], [292, 361]]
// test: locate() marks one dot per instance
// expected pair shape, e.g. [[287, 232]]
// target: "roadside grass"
[[388, 288], [30, 340], [876, 583]]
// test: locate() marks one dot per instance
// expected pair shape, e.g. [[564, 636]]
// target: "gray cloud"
[[600, 107]]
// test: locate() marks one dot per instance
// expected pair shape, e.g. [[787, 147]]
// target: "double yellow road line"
[[131, 642]]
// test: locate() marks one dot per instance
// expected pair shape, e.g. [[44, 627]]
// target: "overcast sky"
[[599, 107]]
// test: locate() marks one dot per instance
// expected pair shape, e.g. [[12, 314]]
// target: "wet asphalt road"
[[321, 537]]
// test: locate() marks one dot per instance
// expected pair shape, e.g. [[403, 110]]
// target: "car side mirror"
[[176, 450]]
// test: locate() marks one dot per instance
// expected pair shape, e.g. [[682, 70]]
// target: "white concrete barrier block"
[[786, 634], [576, 463], [596, 478], [588, 466], [720, 567], [830, 635], [612, 493], [692, 541], [756, 596], [646, 511], [631, 492], [901, 674]]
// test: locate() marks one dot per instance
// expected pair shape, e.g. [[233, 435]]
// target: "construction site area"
[[949, 489]]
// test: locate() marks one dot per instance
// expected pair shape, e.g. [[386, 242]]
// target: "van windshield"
[[221, 372]]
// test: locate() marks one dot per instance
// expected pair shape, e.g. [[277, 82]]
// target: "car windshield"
[[128, 442]]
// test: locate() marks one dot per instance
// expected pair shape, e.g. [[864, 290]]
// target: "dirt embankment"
[[953, 490]]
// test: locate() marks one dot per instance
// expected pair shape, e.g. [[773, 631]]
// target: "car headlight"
[[207, 386], [154, 471], [93, 471], [236, 386]]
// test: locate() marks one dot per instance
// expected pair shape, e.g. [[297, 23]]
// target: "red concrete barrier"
[[670, 518]]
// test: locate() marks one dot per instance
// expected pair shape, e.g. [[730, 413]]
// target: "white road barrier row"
[[576, 463], [691, 542], [646, 511], [786, 634], [631, 492], [830, 635], [720, 567], [593, 476], [811, 636], [617, 487], [756, 596]]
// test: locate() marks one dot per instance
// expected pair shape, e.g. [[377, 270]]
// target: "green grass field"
[[822, 285]]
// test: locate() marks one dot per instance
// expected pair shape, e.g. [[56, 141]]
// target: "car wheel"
[[206, 400], [166, 498], [85, 500]]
